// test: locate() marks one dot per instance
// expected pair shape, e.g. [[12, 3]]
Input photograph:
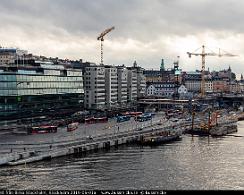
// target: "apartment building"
[[141, 83], [131, 85], [220, 85], [192, 81], [111, 87], [95, 90], [161, 89], [122, 85], [9, 56], [234, 87], [208, 85]]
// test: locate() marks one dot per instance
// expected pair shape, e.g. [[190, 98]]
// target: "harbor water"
[[192, 163]]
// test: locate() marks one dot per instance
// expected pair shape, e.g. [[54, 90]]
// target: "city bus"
[[123, 118], [42, 129], [131, 113], [143, 117]]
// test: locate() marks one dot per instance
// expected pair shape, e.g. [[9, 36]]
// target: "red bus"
[[92, 120], [43, 129], [89, 120], [101, 120], [135, 113], [72, 126]]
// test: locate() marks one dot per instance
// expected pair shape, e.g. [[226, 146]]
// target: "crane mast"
[[203, 54], [101, 38], [203, 72]]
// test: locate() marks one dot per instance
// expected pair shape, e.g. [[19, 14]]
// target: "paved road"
[[84, 130]]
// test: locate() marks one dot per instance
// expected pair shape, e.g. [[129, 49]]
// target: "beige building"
[[94, 85], [242, 87], [108, 87], [132, 85], [208, 86], [141, 83], [234, 87], [122, 85], [111, 87], [8, 56]]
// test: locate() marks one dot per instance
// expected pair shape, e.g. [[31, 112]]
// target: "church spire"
[[162, 65], [229, 69], [135, 64]]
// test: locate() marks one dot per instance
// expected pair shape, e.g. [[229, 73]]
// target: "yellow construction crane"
[[204, 54], [101, 38]]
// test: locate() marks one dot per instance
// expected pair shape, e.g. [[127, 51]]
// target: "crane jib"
[[102, 39], [203, 54]]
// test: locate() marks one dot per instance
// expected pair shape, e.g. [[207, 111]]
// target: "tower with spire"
[[162, 65], [135, 64], [229, 69]]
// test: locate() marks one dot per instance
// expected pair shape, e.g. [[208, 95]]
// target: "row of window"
[[101, 78], [164, 89], [39, 91], [32, 78], [96, 78], [164, 86], [15, 85], [94, 69]]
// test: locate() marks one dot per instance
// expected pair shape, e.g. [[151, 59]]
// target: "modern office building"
[[29, 90]]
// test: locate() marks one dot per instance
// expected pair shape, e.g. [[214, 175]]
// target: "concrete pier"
[[82, 146]]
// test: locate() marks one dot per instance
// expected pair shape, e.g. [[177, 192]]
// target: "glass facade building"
[[26, 91]]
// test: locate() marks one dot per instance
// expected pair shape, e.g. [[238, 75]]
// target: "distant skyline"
[[145, 30]]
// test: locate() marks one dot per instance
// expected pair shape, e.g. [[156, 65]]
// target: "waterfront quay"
[[192, 163], [29, 148]]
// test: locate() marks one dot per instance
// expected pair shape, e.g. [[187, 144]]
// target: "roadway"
[[84, 130]]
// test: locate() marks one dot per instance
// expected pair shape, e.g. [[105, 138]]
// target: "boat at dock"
[[160, 137], [198, 131], [225, 128], [220, 129], [219, 123]]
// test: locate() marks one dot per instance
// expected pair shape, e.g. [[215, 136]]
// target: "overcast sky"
[[145, 30]]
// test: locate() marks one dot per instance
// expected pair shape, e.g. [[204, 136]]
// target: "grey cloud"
[[142, 20], [134, 18]]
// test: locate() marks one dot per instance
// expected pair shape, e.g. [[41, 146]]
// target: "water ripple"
[[194, 163]]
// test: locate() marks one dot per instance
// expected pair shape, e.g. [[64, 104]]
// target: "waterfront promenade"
[[30, 148], [22, 149]]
